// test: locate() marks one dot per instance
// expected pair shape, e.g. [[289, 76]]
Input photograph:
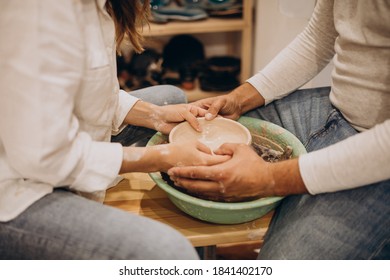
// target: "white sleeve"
[[42, 62], [356, 161], [302, 59], [126, 102]]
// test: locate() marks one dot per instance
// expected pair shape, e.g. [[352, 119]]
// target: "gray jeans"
[[352, 224], [63, 225]]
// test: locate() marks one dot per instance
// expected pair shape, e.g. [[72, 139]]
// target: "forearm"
[[247, 97], [165, 156], [286, 178], [144, 159], [302, 59], [142, 114]]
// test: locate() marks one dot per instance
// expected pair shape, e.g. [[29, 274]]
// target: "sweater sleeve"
[[357, 161], [302, 59]]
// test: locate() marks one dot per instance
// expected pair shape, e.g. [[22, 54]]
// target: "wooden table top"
[[140, 195]]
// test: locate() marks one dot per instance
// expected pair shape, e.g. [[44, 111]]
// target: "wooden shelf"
[[210, 25], [242, 25]]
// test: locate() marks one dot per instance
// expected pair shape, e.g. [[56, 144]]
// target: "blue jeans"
[[63, 225], [351, 224]]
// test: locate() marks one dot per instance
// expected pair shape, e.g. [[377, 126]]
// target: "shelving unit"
[[214, 25]]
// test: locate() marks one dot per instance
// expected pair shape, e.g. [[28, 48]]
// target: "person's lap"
[[63, 225], [349, 224]]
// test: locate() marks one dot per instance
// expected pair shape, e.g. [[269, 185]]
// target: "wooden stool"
[[140, 195]]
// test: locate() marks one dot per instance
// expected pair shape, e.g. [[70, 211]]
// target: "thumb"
[[225, 149], [213, 110]]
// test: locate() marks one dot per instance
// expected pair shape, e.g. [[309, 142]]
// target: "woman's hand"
[[167, 117], [165, 156], [164, 118], [191, 153]]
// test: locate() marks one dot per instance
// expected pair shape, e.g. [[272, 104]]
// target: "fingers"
[[212, 159], [197, 111], [217, 159], [226, 149], [214, 109], [190, 115], [203, 148], [205, 188], [191, 119], [193, 172], [203, 103], [232, 148], [198, 180]]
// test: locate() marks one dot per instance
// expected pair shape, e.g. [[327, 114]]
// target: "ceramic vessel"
[[214, 133], [232, 212]]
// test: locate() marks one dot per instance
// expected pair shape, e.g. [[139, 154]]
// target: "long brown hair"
[[129, 17]]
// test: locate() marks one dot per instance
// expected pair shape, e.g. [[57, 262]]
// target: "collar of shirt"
[[101, 5]]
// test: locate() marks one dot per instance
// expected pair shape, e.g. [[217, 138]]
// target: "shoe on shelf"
[[220, 73], [164, 10], [184, 55], [156, 18], [164, 14], [208, 4]]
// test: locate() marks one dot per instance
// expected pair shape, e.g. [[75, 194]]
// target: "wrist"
[[248, 97], [145, 159], [286, 178], [142, 114]]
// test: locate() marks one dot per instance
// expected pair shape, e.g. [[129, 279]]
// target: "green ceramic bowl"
[[232, 212]]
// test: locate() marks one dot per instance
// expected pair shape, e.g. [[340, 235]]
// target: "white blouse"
[[60, 100]]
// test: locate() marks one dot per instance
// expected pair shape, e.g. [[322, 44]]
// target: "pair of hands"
[[233, 170], [169, 116], [222, 174], [241, 174], [231, 106]]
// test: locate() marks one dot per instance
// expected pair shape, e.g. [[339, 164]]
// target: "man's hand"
[[245, 175], [232, 105]]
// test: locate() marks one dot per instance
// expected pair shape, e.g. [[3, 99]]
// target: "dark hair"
[[129, 17]]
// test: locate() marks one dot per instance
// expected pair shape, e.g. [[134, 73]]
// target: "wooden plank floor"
[[138, 194]]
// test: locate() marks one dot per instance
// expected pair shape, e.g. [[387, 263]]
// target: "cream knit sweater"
[[356, 35]]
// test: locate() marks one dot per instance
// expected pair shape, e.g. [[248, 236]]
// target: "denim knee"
[[161, 95], [175, 95]]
